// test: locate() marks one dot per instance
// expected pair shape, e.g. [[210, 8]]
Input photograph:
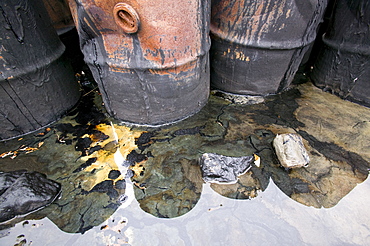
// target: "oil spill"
[[330, 161], [79, 152]]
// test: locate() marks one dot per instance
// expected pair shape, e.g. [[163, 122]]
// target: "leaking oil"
[[279, 109], [103, 177]]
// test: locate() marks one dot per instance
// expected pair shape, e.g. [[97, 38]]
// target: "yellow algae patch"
[[105, 155]]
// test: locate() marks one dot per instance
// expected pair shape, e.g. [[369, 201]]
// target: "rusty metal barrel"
[[60, 15], [37, 86], [343, 64], [258, 45], [149, 58]]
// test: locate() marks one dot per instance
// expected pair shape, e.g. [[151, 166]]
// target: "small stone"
[[224, 169], [290, 150], [120, 184], [113, 174], [239, 99]]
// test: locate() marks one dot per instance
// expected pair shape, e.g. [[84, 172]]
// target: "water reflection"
[[80, 152], [272, 218]]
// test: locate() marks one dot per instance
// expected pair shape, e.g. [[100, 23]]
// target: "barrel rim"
[[276, 45], [346, 46], [45, 61], [182, 62]]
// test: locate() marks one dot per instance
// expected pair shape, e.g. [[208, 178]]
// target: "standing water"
[[130, 185]]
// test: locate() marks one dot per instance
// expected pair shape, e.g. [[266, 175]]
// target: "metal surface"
[[342, 67], [126, 18], [257, 46], [37, 86], [167, 202], [60, 15], [149, 58]]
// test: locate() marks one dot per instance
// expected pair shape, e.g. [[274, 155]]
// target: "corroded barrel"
[[343, 64], [149, 58], [257, 45], [37, 86], [60, 15]]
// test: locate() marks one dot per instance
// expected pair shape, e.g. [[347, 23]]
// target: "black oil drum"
[[343, 64], [258, 45], [60, 15], [149, 58], [37, 86]]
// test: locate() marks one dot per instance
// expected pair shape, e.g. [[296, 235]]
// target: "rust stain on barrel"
[[164, 45], [255, 41], [149, 58], [231, 18]]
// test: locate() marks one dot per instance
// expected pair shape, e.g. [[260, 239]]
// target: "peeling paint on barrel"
[[257, 46], [156, 75]]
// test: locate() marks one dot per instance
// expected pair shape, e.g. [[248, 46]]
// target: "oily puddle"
[[271, 218], [160, 176]]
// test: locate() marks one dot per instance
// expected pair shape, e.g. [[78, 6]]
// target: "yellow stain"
[[236, 55], [105, 158], [241, 56]]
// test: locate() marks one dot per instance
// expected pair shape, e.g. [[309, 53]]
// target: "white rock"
[[290, 150]]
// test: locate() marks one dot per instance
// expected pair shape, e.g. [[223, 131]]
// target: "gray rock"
[[24, 192], [224, 169], [290, 150]]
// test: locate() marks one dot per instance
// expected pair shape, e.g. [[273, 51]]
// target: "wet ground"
[[130, 185]]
